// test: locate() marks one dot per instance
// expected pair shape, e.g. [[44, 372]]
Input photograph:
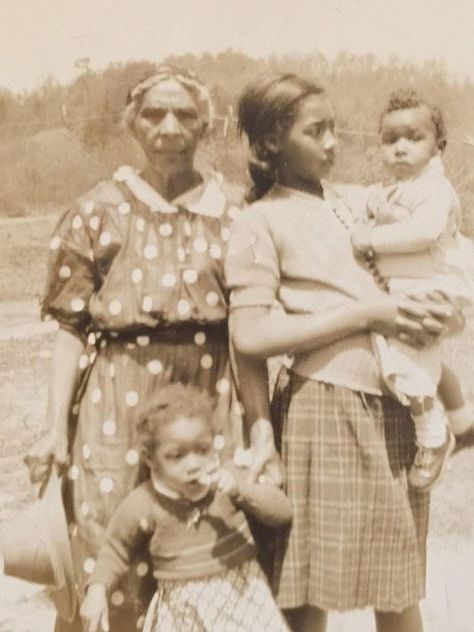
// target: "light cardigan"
[[291, 247]]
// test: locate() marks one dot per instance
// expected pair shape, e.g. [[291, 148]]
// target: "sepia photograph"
[[237, 316]]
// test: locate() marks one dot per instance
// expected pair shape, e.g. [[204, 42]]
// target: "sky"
[[41, 38]]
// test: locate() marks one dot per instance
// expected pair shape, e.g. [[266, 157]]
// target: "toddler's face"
[[408, 141], [183, 455]]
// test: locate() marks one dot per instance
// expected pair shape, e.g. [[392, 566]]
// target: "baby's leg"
[[435, 442], [459, 413]]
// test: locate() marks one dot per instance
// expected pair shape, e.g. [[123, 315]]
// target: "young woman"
[[358, 534]]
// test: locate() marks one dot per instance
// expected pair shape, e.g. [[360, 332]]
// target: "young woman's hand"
[[265, 460], [94, 611], [360, 237], [417, 320], [52, 449]]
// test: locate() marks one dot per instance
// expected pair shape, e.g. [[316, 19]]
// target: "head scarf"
[[195, 88]]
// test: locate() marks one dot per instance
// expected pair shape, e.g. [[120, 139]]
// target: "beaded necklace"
[[369, 256]]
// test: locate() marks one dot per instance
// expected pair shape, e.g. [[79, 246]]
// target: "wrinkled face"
[[184, 452], [168, 125], [306, 153], [408, 141]]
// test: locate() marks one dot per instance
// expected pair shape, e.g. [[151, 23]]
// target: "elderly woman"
[[136, 285]]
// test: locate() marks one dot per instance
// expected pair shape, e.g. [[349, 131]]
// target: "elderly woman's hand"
[[52, 449]]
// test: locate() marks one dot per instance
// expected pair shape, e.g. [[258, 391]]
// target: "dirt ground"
[[25, 349]]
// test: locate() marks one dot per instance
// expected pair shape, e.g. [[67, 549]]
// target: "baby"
[[190, 516], [411, 241]]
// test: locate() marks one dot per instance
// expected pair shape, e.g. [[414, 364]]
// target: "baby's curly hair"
[[170, 403], [406, 99]]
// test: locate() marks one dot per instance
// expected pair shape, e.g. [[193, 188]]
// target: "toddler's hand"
[[360, 236], [94, 610]]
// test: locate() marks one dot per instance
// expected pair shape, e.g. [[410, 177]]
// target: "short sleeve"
[[71, 278], [251, 266]]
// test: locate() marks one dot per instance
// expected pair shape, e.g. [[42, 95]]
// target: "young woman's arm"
[[258, 332], [52, 448], [253, 387]]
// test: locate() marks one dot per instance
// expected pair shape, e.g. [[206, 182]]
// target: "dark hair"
[[170, 403], [408, 98], [268, 107]]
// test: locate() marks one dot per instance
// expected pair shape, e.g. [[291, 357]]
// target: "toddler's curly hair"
[[407, 98], [170, 403]]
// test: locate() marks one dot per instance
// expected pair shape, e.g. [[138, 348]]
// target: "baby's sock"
[[431, 427]]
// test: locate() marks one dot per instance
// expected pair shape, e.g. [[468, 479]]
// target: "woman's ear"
[[271, 145]]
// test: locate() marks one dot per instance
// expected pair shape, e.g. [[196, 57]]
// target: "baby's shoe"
[[430, 463]]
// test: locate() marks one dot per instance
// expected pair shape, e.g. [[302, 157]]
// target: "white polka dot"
[[200, 245], [64, 272], [212, 298], [206, 361], [89, 207], [168, 280], [200, 338], [124, 208], [96, 396], [140, 224], [105, 238], [92, 357], [77, 304], [89, 565], [75, 409], [77, 222], [190, 275], [109, 428], [131, 398], [83, 361], [113, 334], [142, 569], [117, 598], [94, 222], [143, 522], [219, 442], [73, 473], [137, 275], [223, 386], [55, 242], [147, 303], [181, 254], [115, 307], [225, 233], [187, 229], [91, 339], [150, 251], [131, 457], [166, 229], [215, 251], [86, 452], [155, 367], [183, 307], [112, 370], [103, 344], [106, 485], [143, 341], [85, 509]]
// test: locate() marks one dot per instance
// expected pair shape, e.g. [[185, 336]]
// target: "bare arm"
[[63, 383], [258, 333]]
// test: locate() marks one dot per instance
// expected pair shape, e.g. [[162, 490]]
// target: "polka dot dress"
[[124, 265]]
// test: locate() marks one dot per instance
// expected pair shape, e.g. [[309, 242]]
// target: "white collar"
[[205, 199], [163, 489]]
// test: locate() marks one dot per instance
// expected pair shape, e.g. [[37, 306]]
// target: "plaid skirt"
[[358, 536]]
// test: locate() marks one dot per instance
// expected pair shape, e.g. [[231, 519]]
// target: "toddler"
[[190, 516], [411, 240]]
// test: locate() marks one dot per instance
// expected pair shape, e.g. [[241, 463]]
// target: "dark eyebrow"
[[150, 111]]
